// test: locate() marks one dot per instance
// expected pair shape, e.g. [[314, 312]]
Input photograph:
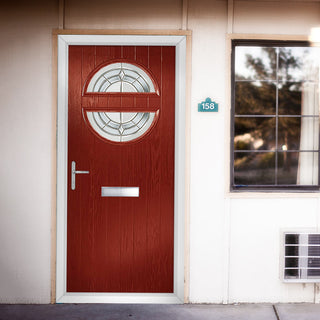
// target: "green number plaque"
[[208, 106]]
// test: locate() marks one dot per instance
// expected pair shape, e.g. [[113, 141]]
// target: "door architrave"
[[180, 42]]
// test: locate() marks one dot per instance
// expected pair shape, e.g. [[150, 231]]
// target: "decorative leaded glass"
[[121, 126]]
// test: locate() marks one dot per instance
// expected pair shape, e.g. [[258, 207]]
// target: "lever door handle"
[[73, 174]]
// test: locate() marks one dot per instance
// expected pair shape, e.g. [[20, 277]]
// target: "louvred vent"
[[302, 257]]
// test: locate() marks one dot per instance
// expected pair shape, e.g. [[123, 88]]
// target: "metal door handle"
[[73, 174]]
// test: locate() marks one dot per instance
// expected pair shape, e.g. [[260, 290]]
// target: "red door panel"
[[121, 244]]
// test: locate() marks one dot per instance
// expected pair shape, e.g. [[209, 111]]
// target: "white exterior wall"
[[256, 223], [207, 151], [234, 239], [26, 145]]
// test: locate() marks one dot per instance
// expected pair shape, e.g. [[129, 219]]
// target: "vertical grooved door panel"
[[121, 244]]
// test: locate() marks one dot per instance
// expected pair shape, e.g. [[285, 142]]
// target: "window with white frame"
[[275, 116]]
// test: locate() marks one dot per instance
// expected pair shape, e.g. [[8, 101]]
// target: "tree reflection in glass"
[[276, 116]]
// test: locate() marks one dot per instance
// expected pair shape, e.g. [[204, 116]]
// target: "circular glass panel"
[[121, 126]]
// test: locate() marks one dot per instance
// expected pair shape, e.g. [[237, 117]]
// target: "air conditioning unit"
[[301, 257]]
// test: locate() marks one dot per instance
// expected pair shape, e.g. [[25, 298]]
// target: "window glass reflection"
[[288, 167], [252, 133], [307, 173], [254, 168], [289, 133], [309, 135], [289, 98], [255, 98], [298, 64], [276, 115], [297, 133], [255, 63], [298, 98]]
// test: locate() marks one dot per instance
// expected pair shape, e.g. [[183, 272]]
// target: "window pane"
[[299, 63], [309, 134], [288, 167], [289, 95], [252, 133], [255, 98], [308, 168], [254, 168], [298, 168], [289, 133], [298, 133], [298, 98], [310, 98], [255, 63]]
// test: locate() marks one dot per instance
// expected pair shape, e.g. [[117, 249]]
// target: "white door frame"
[[179, 41]]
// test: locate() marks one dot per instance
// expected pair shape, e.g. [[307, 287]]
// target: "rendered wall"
[[234, 239], [26, 145], [256, 224]]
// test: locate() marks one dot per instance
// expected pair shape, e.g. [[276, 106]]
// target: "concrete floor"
[[160, 312]]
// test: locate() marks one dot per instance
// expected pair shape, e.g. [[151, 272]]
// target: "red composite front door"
[[120, 222]]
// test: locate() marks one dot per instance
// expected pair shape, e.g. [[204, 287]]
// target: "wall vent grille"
[[302, 257]]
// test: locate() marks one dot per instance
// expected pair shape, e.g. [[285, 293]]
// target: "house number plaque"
[[208, 106]]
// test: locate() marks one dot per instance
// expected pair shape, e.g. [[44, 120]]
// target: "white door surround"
[[179, 41]]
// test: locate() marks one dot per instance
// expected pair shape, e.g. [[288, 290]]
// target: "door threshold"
[[154, 298]]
